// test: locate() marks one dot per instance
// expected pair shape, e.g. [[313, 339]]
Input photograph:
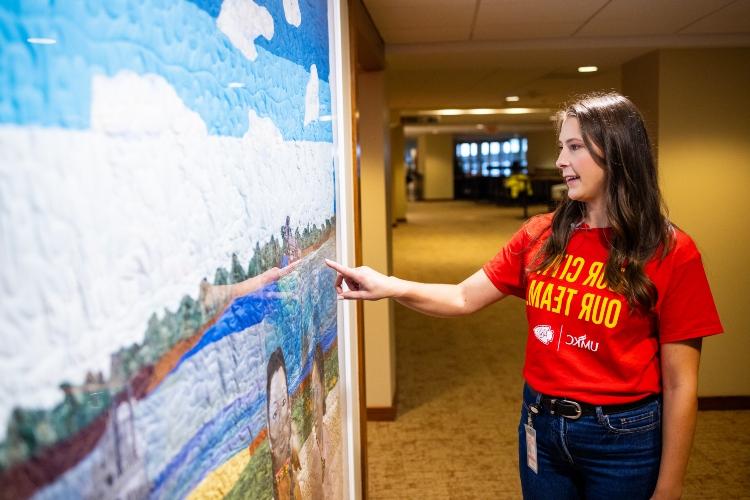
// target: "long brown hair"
[[611, 123]]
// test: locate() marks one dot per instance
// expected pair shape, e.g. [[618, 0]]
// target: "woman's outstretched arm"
[[364, 283]]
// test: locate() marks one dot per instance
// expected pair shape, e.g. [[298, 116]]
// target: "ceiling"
[[474, 53]]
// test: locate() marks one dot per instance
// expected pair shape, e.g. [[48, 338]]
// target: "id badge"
[[531, 448]]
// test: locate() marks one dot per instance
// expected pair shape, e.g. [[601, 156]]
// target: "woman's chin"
[[575, 196]]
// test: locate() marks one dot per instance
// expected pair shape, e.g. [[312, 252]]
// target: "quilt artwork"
[[166, 203]]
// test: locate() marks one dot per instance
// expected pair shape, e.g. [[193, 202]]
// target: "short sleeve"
[[687, 309], [507, 269]]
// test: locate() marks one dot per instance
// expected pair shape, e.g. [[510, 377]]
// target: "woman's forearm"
[[430, 298], [678, 428], [679, 364]]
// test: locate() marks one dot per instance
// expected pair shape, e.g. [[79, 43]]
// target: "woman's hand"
[[362, 283]]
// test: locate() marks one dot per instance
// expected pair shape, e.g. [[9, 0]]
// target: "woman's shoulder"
[[537, 225], [682, 246]]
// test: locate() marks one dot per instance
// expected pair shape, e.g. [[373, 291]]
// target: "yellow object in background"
[[517, 183]]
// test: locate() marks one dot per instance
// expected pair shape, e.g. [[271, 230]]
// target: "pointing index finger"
[[338, 267]]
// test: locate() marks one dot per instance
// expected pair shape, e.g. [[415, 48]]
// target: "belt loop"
[[536, 395], [600, 417]]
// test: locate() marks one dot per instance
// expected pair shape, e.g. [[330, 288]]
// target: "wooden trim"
[[357, 216], [369, 43], [713, 403], [382, 414]]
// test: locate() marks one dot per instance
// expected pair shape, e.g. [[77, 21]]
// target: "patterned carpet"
[[459, 380]]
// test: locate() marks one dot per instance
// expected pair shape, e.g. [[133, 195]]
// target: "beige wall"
[[435, 162], [399, 172], [542, 151], [375, 190], [704, 156], [704, 160], [640, 83]]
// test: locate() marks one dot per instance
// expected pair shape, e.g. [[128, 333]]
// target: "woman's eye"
[[283, 402]]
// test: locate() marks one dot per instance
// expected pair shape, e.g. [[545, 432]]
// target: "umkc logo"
[[544, 333], [582, 343]]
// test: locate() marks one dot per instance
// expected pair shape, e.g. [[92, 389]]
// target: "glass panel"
[[492, 158]]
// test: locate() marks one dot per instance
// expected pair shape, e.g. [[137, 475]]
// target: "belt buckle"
[[570, 404]]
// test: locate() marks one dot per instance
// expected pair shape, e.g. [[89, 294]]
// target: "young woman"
[[617, 302]]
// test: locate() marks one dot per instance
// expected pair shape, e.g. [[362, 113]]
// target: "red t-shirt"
[[585, 342]]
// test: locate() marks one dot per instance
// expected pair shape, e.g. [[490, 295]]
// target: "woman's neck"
[[596, 216]]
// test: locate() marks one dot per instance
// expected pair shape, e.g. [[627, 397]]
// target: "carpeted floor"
[[459, 380]]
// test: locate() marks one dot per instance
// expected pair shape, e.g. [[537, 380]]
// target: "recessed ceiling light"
[[512, 98], [41, 41], [587, 69], [518, 111], [476, 111], [450, 112], [236, 85]]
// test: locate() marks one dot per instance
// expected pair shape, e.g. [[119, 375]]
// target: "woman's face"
[[279, 415], [585, 179]]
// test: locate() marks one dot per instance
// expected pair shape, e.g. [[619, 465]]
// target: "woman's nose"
[[560, 162]]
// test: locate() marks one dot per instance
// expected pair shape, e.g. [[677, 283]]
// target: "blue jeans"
[[609, 456]]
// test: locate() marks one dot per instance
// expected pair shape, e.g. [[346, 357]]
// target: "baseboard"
[[723, 403], [381, 414]]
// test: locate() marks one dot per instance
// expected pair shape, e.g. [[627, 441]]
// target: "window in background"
[[491, 158]]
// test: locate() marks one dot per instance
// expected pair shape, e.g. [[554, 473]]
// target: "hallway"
[[459, 380]]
